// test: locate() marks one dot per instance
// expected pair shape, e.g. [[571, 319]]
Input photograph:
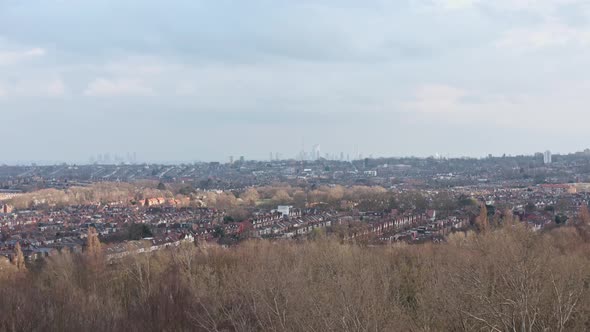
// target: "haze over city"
[[294, 165], [205, 80]]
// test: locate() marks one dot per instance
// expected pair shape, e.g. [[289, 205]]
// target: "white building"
[[316, 152], [547, 157], [284, 209]]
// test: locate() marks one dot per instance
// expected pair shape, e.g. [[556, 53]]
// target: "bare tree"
[[19, 258]]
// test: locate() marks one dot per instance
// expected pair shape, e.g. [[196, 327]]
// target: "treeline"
[[240, 203], [271, 196], [508, 279], [374, 198], [114, 192], [102, 192]]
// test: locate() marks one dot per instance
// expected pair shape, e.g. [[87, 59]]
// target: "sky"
[[186, 80]]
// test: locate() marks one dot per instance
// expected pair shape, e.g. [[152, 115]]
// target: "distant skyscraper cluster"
[[316, 154], [108, 159]]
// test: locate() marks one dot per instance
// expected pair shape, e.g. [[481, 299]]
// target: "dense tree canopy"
[[508, 279]]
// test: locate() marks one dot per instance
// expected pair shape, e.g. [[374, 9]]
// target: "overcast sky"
[[203, 80]]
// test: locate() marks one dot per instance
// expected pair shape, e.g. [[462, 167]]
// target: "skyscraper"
[[316, 152], [547, 157]]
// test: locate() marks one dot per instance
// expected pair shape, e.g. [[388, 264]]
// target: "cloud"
[[56, 88], [500, 63], [102, 87], [436, 98], [455, 105], [455, 4], [237, 32], [545, 36], [13, 57], [541, 8], [562, 107], [33, 88]]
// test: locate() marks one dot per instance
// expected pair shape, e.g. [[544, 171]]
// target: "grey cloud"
[[231, 31], [336, 72]]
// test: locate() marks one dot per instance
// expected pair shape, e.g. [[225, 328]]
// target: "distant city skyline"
[[115, 159]]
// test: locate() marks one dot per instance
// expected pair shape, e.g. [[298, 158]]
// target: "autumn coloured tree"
[[93, 245], [250, 197], [583, 222], [584, 215], [482, 221], [19, 258], [281, 197]]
